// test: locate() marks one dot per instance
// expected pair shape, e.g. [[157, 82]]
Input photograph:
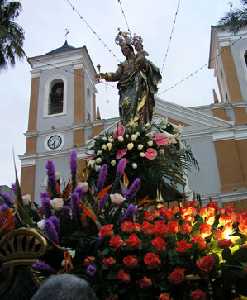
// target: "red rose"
[[198, 295], [127, 226], [88, 260], [151, 259], [149, 216], [166, 212], [205, 230], [186, 228], [177, 276], [173, 226], [199, 241], [183, 246], [164, 296], [130, 261], [206, 263], [123, 276], [224, 243], [147, 228], [159, 244], [151, 154], [109, 261], [160, 228], [145, 282], [133, 241], [106, 230], [116, 241]]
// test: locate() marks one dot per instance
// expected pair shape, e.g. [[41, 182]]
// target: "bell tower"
[[62, 113]]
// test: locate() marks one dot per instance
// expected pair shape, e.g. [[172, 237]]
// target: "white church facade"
[[63, 115]]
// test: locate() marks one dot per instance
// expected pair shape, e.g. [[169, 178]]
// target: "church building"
[[63, 116]]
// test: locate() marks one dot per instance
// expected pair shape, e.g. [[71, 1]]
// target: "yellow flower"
[[130, 146], [109, 146]]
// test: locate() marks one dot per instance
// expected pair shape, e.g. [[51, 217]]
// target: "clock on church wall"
[[54, 142]]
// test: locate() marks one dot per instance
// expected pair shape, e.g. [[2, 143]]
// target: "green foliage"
[[11, 34], [235, 19]]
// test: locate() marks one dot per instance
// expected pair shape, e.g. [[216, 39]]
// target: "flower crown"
[[124, 38]]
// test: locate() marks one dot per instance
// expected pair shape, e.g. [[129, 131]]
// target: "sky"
[[44, 23]]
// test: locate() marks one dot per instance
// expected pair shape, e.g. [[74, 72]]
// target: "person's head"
[[127, 50], [64, 287]]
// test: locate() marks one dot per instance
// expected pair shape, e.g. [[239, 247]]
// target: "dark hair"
[[65, 287]]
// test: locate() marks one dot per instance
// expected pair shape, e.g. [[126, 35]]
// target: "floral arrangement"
[[127, 250], [100, 230], [154, 153]]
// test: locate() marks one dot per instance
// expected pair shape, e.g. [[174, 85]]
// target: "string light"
[[92, 30], [170, 37], [192, 74], [124, 15]]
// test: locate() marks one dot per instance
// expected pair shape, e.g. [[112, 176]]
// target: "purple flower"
[[91, 269], [56, 223], [43, 267], [133, 189], [80, 191], [102, 201], [50, 169], [130, 211], [121, 166], [73, 162], [13, 187], [3, 207], [45, 204], [50, 231], [75, 201], [102, 177], [7, 198]]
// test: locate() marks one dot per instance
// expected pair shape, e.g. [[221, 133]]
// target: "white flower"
[[134, 165], [147, 125], [97, 168], [104, 147], [41, 224], [91, 163], [57, 203], [138, 133], [113, 162], [150, 143], [99, 152], [98, 160], [120, 138], [83, 185], [140, 147], [117, 198], [127, 135], [133, 137], [26, 199], [109, 146], [110, 139], [104, 138], [142, 154], [130, 146]]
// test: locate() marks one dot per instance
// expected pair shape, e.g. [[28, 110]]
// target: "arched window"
[[245, 57], [56, 98]]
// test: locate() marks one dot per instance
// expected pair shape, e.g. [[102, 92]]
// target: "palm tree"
[[11, 34], [235, 19]]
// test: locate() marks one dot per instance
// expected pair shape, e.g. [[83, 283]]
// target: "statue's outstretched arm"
[[112, 76]]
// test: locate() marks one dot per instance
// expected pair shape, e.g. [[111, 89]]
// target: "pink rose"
[[121, 153], [161, 139], [151, 154], [119, 131]]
